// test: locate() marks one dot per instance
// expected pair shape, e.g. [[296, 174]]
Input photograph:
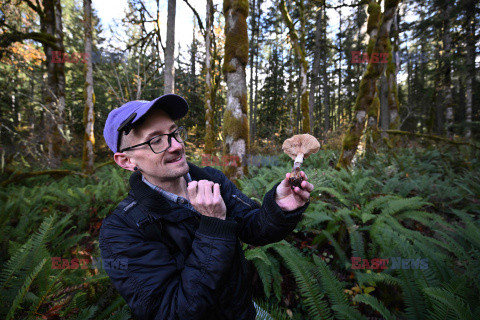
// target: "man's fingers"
[[307, 186], [205, 190], [216, 192], [305, 195], [192, 189], [304, 175]]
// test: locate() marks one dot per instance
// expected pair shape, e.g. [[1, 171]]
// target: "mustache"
[[175, 156]]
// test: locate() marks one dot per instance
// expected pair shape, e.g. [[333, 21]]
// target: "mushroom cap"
[[304, 144]]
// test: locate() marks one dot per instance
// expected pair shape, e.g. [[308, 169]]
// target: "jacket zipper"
[[240, 199]]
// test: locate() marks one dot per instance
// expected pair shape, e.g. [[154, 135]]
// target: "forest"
[[389, 89]]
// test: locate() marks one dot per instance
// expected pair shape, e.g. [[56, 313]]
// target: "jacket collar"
[[152, 199]]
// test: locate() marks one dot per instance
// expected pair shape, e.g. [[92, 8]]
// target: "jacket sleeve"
[[152, 283], [258, 225]]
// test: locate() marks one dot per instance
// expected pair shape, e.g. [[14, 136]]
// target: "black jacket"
[[191, 266]]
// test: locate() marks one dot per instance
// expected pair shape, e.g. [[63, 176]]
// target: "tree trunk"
[[447, 69], [368, 87], [326, 86], [252, 61], [235, 120], [54, 133], [471, 56], [300, 52], [339, 103], [316, 66], [391, 73], [88, 113], [255, 100], [169, 75], [384, 110], [209, 117]]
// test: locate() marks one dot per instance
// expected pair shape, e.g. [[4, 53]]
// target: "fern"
[[302, 271], [453, 302], [331, 285], [269, 312], [115, 305], [87, 313], [24, 289]]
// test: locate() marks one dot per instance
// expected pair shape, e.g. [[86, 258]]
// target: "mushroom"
[[299, 147]]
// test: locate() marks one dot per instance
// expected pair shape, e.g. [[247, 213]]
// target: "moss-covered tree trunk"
[[379, 33], [384, 111], [54, 95], [300, 52], [391, 73], [235, 120], [88, 113], [209, 118]]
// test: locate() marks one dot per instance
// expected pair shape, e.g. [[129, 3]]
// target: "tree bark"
[[88, 113], [252, 55], [51, 23], [300, 52], [326, 86], [391, 73], [316, 66], [169, 75], [384, 110], [209, 117], [235, 120], [255, 100], [471, 57], [368, 85], [447, 69]]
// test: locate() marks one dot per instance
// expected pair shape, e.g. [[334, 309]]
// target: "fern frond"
[[87, 313], [122, 314], [375, 304], [412, 295], [334, 290], [451, 300], [24, 289], [309, 288], [348, 313]]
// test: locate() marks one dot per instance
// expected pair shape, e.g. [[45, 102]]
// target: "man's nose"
[[175, 145]]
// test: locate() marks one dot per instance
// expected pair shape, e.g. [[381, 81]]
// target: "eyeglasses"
[[162, 142]]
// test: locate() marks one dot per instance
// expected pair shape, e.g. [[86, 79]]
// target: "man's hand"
[[205, 197], [289, 199]]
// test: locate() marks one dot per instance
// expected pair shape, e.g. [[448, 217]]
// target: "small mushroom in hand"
[[299, 147]]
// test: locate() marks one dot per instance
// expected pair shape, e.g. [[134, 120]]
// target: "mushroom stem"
[[299, 159]]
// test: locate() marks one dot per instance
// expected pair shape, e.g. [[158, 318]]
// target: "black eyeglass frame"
[[170, 135]]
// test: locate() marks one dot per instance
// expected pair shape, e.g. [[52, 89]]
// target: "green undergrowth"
[[417, 208]]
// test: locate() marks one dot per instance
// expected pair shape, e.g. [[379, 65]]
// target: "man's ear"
[[123, 160]]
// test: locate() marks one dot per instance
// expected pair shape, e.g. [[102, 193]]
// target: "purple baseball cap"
[[122, 119]]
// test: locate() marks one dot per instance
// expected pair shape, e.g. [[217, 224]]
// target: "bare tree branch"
[[198, 18]]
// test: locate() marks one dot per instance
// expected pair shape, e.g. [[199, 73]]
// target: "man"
[[174, 243]]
